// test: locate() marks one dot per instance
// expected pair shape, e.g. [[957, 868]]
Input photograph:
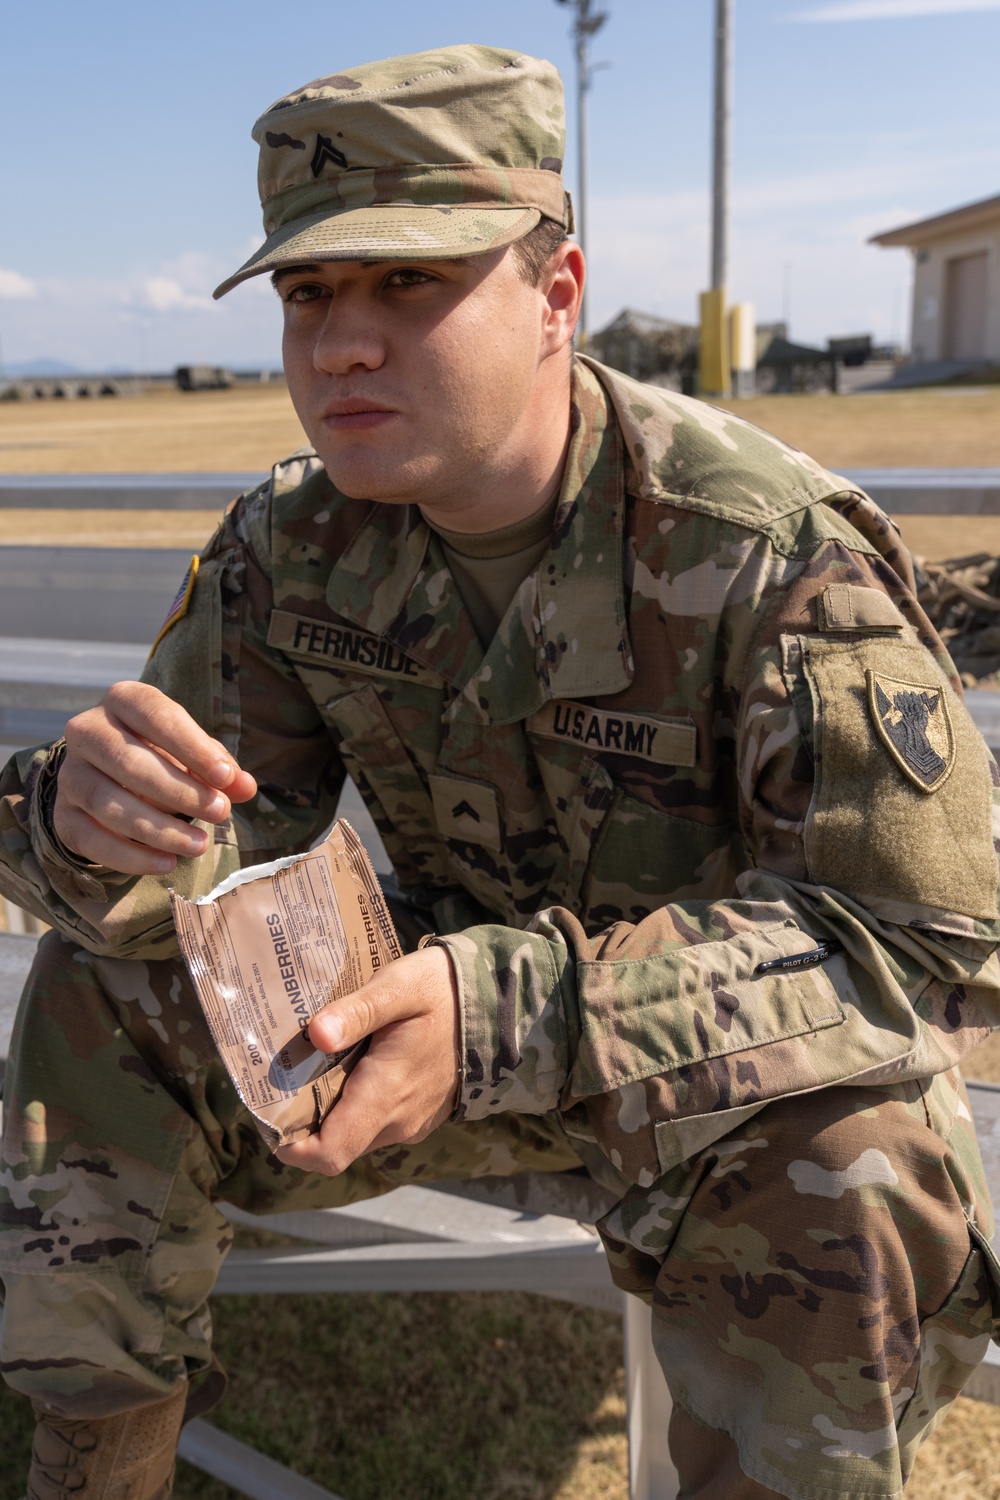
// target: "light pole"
[[720, 140], [586, 22], [714, 358]]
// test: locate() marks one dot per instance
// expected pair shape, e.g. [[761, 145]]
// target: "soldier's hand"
[[136, 768], [406, 1083]]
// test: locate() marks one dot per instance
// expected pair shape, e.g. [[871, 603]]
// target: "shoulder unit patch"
[[914, 723]]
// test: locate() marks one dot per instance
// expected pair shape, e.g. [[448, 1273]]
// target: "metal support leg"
[[651, 1473], [242, 1467]]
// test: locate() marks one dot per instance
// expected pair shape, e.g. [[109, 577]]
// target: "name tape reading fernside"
[[345, 646]]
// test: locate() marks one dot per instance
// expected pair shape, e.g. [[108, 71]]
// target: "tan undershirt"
[[489, 566]]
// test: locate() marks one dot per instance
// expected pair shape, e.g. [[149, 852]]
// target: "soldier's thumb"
[[346, 1022]]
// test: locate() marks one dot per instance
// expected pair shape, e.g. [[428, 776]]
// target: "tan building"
[[956, 284]]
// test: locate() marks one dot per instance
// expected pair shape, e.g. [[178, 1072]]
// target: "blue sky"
[[127, 172]]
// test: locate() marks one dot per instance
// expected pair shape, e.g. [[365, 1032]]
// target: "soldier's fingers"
[[242, 787], [151, 715], [119, 812], [361, 1121], [412, 986], [77, 831], [343, 1137], [380, 1106], [101, 749]]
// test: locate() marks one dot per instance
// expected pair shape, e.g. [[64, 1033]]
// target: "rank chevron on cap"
[[182, 600], [326, 151]]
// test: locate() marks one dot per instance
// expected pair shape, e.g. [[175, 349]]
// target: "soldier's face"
[[431, 383]]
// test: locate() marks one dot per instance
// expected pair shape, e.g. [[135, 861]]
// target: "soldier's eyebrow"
[[312, 266], [278, 276]]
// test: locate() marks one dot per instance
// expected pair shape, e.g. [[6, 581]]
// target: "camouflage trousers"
[[820, 1281]]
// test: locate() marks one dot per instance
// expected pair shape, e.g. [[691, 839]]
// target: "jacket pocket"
[[645, 858], [376, 758]]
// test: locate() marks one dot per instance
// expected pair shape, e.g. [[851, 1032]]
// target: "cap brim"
[[393, 231]]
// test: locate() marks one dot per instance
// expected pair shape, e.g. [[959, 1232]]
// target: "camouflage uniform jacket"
[[713, 731]]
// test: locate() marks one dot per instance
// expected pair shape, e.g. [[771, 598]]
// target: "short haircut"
[[534, 250]]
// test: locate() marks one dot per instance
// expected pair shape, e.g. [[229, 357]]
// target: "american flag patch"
[[182, 599]]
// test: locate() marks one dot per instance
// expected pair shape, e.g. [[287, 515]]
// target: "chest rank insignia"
[[914, 724]]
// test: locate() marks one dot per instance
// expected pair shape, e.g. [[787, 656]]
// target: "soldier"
[[657, 739]]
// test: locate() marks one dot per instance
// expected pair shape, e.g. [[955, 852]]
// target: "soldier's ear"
[[561, 285]]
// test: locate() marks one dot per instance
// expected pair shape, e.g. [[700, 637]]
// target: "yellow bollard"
[[713, 348], [743, 348]]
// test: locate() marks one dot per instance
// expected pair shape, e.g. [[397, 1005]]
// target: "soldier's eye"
[[408, 276], [308, 292]]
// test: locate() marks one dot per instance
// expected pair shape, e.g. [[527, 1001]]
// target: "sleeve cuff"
[[69, 874], [515, 1046]]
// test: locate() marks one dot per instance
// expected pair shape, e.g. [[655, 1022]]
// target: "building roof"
[[781, 351], [631, 321], [969, 216]]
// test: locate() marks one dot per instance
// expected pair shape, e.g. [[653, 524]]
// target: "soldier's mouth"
[[351, 421], [355, 413]]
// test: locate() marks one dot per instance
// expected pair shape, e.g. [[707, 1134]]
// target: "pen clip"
[[794, 963]]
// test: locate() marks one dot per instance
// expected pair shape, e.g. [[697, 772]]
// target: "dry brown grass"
[[984, 1063], [934, 428], [107, 528], [938, 537], [962, 1460], [252, 427], [216, 431], [159, 433]]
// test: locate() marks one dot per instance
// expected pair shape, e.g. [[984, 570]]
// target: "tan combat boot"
[[128, 1457]]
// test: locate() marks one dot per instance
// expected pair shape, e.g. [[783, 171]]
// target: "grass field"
[[210, 431], [251, 427], [247, 430], [446, 1397]]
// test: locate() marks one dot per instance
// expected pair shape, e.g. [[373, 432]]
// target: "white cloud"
[[16, 288], [890, 10], [164, 294], [149, 317]]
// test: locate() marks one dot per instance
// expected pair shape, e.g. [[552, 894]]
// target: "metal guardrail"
[[900, 491], [930, 492], [44, 682], [123, 491], [63, 674], [984, 706], [119, 594]]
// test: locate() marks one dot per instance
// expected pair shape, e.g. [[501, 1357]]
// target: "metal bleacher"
[[72, 621]]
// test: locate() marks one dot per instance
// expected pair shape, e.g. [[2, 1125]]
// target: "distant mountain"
[[41, 367]]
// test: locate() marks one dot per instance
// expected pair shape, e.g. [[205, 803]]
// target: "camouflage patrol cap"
[[438, 154]]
